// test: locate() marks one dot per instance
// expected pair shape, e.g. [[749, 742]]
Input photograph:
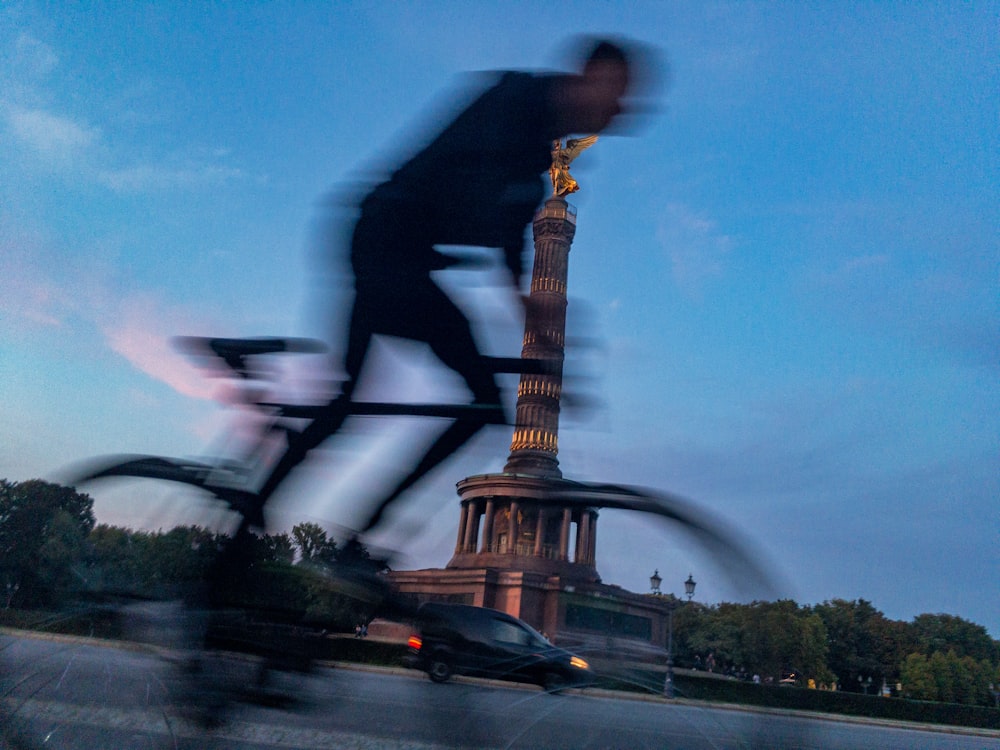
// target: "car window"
[[508, 632]]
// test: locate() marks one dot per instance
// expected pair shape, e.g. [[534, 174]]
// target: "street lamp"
[[689, 584], [865, 684], [655, 581]]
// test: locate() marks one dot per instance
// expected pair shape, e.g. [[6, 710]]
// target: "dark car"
[[461, 639]]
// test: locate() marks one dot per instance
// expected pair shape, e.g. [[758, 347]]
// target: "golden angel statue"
[[562, 182]]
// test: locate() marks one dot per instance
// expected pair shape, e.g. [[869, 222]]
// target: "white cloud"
[[62, 141], [54, 137], [152, 176], [49, 132], [697, 249], [851, 269], [33, 58]]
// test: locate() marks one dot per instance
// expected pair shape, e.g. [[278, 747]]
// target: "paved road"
[[72, 695]]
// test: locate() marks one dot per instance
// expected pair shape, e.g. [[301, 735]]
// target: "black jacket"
[[477, 183]]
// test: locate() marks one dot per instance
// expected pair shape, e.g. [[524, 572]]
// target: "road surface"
[[73, 695]]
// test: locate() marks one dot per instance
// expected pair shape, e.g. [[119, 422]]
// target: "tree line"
[[847, 645], [51, 547], [52, 551]]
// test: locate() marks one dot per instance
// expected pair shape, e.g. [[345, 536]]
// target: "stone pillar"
[[583, 537], [535, 443], [592, 557], [539, 532], [471, 528], [460, 543], [512, 529], [564, 535], [487, 527]]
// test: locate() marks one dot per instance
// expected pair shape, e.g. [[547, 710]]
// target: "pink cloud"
[[141, 333], [27, 296]]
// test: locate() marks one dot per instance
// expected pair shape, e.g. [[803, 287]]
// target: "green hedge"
[[363, 651], [89, 622], [695, 687]]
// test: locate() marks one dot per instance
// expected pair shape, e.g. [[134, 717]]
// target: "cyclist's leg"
[[450, 338], [437, 320], [457, 435], [324, 426]]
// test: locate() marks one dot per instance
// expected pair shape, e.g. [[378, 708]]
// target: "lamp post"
[[668, 683], [11, 591], [654, 584]]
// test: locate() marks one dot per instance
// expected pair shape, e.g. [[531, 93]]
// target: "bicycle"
[[227, 479], [233, 481], [210, 681]]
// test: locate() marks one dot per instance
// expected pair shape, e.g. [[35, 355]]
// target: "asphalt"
[[590, 691]]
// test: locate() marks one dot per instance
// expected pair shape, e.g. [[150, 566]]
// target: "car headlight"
[[576, 661]]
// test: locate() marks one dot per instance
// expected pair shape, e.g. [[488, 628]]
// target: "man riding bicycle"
[[478, 183]]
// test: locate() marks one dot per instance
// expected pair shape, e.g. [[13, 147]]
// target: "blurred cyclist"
[[478, 183]]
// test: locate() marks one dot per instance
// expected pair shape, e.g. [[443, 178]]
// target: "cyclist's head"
[[610, 71]]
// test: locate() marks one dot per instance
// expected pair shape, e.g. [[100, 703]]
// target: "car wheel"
[[439, 670], [554, 682]]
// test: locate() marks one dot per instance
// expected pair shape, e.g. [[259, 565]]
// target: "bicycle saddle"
[[234, 352]]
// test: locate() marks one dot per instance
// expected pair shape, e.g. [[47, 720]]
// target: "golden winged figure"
[[562, 182]]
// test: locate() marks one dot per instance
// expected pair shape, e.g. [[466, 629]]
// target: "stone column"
[[471, 528], [592, 557], [512, 529], [535, 443], [460, 543], [539, 532], [583, 537], [564, 535], [487, 527]]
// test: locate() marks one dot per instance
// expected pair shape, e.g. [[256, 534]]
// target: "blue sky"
[[791, 267]]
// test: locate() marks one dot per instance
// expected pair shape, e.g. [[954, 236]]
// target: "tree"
[[918, 679], [942, 632], [312, 544], [767, 638], [279, 547], [114, 559], [856, 638], [43, 529], [947, 677]]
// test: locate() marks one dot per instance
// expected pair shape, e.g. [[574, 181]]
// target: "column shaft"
[[539, 532], [460, 543], [512, 529], [487, 527], [593, 539], [564, 535], [582, 536], [471, 528]]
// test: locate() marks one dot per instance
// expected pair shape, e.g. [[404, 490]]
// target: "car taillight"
[[579, 663], [415, 642]]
